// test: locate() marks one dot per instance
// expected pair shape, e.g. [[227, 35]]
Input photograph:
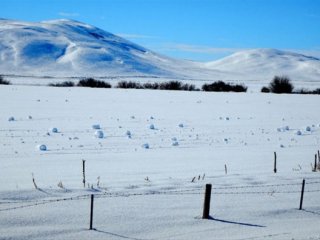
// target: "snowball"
[[128, 133], [96, 126], [308, 129], [99, 134], [152, 126], [146, 146], [11, 119], [298, 133], [54, 130], [175, 143], [181, 125], [41, 147]]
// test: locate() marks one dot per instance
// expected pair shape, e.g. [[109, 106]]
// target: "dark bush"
[[172, 85], [62, 84], [317, 91], [3, 81], [265, 90], [176, 85], [189, 87], [90, 82], [151, 86], [281, 84], [238, 88], [125, 84], [305, 91], [221, 86]]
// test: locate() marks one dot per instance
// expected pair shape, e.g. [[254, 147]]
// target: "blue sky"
[[199, 30]]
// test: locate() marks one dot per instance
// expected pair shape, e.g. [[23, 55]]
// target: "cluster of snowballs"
[[12, 119], [174, 140], [40, 147], [98, 133], [43, 147], [298, 132]]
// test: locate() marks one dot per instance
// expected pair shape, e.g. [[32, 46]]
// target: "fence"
[[299, 189]]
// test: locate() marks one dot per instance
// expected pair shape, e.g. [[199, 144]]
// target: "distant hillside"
[[266, 63]]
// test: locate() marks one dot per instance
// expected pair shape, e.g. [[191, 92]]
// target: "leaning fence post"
[[302, 193], [275, 163], [206, 205], [91, 212]]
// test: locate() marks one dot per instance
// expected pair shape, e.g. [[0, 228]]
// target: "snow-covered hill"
[[70, 48], [67, 48], [266, 63]]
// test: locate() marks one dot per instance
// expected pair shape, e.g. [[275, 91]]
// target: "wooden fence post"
[[302, 193], [206, 205], [318, 159], [315, 162], [275, 163], [91, 212], [84, 172]]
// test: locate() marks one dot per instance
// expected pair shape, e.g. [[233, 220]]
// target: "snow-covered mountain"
[[70, 48], [266, 63], [67, 48]]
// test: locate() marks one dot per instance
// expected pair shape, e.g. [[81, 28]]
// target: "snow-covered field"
[[154, 144]]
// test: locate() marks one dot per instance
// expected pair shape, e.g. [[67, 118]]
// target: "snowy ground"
[[147, 193]]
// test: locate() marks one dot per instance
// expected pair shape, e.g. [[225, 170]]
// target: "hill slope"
[[266, 63], [70, 48]]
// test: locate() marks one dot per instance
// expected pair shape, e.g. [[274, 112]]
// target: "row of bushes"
[[171, 85], [279, 84], [282, 84], [88, 82]]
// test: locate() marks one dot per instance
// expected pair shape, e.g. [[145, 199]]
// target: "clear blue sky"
[[190, 29]]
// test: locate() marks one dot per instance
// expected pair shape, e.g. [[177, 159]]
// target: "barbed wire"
[[46, 201], [195, 191], [268, 192], [266, 185]]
